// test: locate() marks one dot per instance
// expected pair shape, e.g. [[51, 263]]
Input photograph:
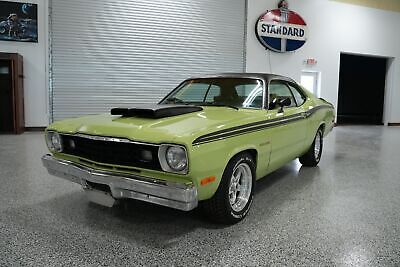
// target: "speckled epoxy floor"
[[346, 212]]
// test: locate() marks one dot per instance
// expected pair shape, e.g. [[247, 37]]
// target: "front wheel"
[[312, 157], [232, 201]]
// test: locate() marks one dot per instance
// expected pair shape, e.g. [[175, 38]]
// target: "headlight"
[[176, 158], [54, 142], [173, 158]]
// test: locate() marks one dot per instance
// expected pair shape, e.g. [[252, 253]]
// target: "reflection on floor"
[[345, 212]]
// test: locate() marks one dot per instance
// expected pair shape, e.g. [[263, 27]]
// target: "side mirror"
[[273, 103], [284, 103]]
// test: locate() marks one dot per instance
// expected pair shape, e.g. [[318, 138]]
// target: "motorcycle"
[[5, 29]]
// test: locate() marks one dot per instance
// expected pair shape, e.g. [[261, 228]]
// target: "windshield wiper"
[[218, 105]]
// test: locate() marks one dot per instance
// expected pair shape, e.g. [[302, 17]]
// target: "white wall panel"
[[120, 53], [35, 67], [333, 28]]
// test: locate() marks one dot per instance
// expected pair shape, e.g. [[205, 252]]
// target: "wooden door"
[[19, 95], [12, 118], [6, 97]]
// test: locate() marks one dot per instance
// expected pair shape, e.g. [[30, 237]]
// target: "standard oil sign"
[[281, 30]]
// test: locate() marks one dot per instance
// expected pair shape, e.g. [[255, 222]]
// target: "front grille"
[[112, 152]]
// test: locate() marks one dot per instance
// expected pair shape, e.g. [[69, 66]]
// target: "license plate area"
[[99, 194], [99, 187]]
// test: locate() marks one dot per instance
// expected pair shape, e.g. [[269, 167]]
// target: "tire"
[[234, 196], [2, 30], [312, 157]]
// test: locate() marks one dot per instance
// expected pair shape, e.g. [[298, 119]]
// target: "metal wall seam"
[[117, 54], [50, 58], [246, 8]]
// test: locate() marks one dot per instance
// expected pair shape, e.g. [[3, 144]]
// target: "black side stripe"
[[255, 126], [247, 125], [245, 131]]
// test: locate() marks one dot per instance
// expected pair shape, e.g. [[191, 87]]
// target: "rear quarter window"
[[298, 94]]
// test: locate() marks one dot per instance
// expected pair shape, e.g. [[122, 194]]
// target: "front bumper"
[[174, 195]]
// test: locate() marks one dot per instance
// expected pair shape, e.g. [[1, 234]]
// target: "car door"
[[289, 124], [300, 99]]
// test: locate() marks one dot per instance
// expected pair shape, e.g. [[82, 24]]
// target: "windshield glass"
[[233, 92]]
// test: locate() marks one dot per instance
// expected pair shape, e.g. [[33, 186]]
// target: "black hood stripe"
[[255, 126]]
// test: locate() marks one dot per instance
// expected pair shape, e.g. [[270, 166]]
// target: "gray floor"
[[346, 212]]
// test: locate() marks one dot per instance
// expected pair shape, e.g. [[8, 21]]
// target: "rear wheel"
[[232, 201], [312, 157]]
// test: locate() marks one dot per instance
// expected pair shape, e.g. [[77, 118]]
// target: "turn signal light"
[[207, 180]]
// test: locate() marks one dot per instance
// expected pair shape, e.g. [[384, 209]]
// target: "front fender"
[[211, 159]]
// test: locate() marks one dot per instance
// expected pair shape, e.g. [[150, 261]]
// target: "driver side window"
[[278, 91]]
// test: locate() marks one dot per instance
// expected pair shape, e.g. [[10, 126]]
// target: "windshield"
[[232, 92]]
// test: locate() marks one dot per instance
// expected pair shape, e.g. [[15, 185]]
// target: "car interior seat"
[[228, 96]]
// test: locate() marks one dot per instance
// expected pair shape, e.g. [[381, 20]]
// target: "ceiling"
[[392, 5]]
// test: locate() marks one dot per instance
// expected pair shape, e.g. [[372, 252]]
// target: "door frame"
[[17, 76], [389, 83], [317, 75]]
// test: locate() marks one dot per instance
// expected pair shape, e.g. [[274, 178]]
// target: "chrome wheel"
[[318, 145], [234, 196], [240, 187]]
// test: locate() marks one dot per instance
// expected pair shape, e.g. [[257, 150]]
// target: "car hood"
[[181, 129]]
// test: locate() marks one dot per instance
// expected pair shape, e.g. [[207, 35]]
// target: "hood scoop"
[[155, 111]]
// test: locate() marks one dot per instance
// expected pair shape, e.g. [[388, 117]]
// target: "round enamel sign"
[[281, 30]]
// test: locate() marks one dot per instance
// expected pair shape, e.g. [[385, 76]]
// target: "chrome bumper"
[[174, 195]]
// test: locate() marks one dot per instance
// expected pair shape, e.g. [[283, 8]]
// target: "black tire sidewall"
[[309, 159], [241, 158]]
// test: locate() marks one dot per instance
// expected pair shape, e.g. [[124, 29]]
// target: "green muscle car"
[[206, 143]]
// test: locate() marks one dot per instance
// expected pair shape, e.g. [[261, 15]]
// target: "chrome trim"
[[318, 145], [240, 186], [162, 151], [49, 141], [108, 139], [232, 76], [174, 195], [265, 96]]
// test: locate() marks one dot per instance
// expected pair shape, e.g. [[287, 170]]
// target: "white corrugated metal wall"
[[119, 53]]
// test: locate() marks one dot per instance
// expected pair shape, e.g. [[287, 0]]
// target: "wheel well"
[[252, 152], [322, 127]]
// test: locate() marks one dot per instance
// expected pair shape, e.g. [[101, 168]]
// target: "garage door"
[[118, 53]]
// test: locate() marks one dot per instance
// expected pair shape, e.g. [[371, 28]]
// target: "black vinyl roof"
[[262, 76]]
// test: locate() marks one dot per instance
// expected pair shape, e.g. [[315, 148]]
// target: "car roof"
[[262, 76]]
